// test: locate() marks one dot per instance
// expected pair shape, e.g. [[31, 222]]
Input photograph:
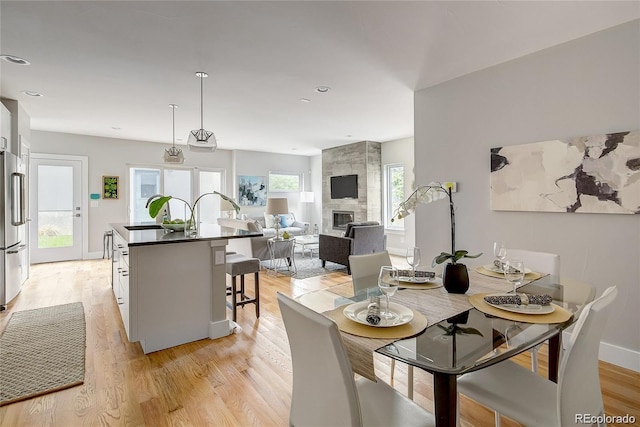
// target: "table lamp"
[[276, 206]]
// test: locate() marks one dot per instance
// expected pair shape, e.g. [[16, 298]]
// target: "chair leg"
[[534, 359], [393, 367], [257, 294], [497, 418], [234, 305], [410, 382]]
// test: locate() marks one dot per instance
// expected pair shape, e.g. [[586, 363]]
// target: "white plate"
[[492, 267], [358, 313], [416, 279], [523, 309]]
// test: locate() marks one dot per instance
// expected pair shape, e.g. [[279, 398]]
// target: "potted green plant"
[[157, 201], [455, 276]]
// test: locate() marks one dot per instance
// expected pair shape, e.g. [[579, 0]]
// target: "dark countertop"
[[161, 236]]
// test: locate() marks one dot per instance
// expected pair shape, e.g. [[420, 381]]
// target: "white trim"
[[219, 329], [84, 177], [620, 356], [610, 353]]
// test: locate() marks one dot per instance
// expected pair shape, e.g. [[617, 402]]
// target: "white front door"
[[57, 211]]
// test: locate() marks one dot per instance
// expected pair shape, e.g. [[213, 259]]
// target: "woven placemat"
[[529, 276], [559, 315], [432, 284], [42, 351], [417, 325]]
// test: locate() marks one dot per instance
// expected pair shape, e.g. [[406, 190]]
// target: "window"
[[145, 182], [394, 194], [283, 181]]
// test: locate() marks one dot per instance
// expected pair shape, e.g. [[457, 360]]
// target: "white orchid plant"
[[426, 194]]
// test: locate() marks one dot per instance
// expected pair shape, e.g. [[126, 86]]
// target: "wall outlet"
[[451, 184]]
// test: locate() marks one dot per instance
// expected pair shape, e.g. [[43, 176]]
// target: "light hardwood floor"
[[240, 380]]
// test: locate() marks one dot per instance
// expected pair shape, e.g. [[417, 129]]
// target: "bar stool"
[[239, 265]]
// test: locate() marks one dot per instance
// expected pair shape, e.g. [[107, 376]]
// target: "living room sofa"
[[256, 247], [360, 238]]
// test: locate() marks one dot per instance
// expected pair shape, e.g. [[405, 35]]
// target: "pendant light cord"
[[174, 125], [201, 102]]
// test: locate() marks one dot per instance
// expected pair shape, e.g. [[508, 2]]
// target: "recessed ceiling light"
[[304, 100], [349, 136], [12, 59], [32, 93], [323, 89], [115, 128]]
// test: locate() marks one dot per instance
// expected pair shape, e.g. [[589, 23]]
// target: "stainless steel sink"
[[143, 227]]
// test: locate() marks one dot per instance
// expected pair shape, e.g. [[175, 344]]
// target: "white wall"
[[108, 156], [401, 152], [584, 87], [260, 164]]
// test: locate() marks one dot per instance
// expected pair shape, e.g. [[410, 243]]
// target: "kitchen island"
[[171, 289]]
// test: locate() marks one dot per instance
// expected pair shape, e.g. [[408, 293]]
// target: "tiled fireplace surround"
[[361, 158]]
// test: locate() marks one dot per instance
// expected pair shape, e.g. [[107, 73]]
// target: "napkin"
[[500, 265], [419, 273], [373, 313], [523, 299]]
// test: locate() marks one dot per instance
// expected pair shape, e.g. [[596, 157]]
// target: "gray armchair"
[[359, 239]]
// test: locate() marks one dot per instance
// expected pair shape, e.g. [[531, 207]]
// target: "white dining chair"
[[578, 293], [364, 274], [533, 400], [325, 392], [540, 262]]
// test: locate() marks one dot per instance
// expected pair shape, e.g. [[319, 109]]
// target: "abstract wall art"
[[589, 174], [252, 190]]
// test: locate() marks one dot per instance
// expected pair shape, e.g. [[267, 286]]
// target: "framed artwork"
[[588, 174], [252, 190], [110, 187]]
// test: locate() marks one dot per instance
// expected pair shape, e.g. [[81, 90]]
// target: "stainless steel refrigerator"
[[12, 226]]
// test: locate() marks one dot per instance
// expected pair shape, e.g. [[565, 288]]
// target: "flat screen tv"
[[344, 187]]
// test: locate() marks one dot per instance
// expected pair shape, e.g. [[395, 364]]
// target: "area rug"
[[311, 267], [42, 351]]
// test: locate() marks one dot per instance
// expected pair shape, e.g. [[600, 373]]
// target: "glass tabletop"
[[468, 339]]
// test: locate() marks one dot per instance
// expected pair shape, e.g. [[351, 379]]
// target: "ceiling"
[[111, 68]]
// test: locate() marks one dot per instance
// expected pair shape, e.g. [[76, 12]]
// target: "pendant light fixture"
[[202, 139], [173, 154]]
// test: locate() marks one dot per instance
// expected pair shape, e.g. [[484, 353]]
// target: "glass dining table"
[[459, 338]]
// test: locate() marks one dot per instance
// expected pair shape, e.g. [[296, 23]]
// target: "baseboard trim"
[[220, 329], [93, 255], [620, 356]]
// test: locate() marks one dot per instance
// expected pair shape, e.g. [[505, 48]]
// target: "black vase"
[[455, 278]]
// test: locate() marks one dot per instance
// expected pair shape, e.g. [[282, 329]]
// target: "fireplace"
[[341, 219]]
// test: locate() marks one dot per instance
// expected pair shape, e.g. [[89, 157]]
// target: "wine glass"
[[388, 283], [514, 272], [500, 251], [413, 259]]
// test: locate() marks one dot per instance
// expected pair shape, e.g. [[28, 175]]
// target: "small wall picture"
[[110, 187], [252, 190]]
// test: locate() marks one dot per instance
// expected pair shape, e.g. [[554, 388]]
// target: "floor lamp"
[[307, 197]]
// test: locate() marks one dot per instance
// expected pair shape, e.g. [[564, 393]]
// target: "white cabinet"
[[120, 279], [5, 128]]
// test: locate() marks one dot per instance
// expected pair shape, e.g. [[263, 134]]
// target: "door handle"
[[76, 215], [20, 248]]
